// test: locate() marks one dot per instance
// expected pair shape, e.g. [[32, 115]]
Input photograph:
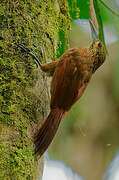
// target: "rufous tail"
[[47, 131]]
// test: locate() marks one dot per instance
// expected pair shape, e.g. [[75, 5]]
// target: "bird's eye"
[[99, 44]]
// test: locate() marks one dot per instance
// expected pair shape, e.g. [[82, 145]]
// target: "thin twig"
[[27, 50]]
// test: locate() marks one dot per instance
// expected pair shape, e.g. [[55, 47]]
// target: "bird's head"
[[98, 53]]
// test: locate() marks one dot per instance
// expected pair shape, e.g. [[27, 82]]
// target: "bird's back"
[[67, 78]]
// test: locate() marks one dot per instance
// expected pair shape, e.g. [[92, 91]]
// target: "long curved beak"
[[94, 31]]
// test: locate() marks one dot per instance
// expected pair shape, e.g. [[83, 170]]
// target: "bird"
[[71, 74]]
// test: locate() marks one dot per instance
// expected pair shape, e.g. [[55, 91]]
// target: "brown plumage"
[[71, 75]]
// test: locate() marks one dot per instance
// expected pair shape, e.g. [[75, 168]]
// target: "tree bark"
[[24, 89]]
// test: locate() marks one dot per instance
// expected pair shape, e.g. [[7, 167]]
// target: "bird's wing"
[[67, 85]]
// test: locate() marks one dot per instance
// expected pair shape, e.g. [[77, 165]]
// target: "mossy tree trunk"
[[24, 89]]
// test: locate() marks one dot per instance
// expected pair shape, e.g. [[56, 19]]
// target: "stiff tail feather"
[[47, 131]]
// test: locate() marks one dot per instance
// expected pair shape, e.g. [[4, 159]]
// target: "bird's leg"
[[48, 68]]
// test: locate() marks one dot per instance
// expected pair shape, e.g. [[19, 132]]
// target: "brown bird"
[[71, 75]]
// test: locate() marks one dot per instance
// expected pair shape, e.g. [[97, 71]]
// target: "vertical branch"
[[22, 107]]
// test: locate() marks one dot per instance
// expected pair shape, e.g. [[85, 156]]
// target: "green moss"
[[35, 24], [64, 27], [16, 160]]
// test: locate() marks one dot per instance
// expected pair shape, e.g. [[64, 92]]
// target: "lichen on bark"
[[24, 90]]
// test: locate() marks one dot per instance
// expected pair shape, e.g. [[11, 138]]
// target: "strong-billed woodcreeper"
[[71, 75]]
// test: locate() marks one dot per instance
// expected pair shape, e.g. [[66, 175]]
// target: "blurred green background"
[[88, 137]]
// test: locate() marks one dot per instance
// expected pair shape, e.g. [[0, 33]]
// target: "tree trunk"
[[24, 89]]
